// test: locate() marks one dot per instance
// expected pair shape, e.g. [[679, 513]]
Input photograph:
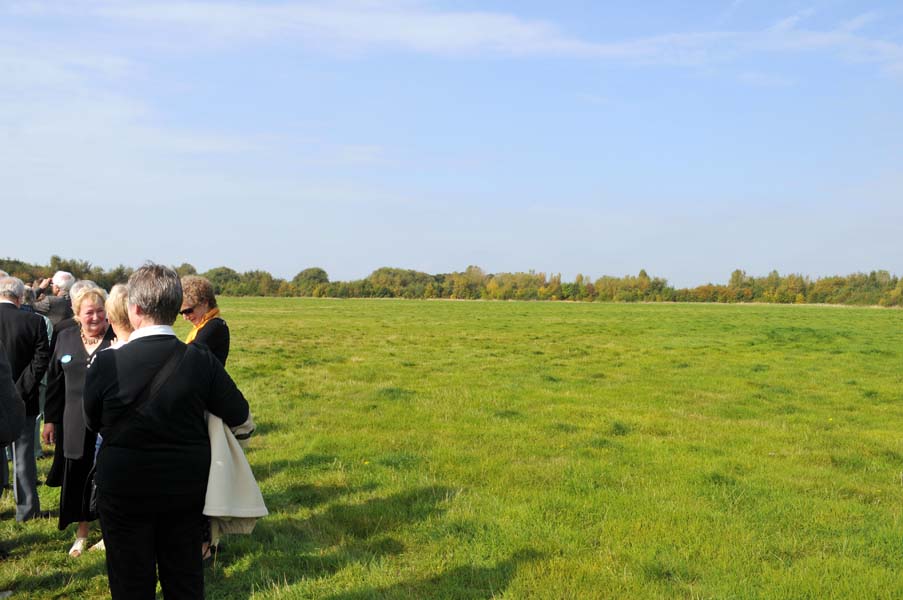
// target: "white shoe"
[[99, 546], [78, 548]]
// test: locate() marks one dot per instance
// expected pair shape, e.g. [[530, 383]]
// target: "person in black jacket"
[[152, 471], [12, 411], [199, 307], [24, 337], [75, 348]]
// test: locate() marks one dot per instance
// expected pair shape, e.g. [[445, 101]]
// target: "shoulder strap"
[[149, 392]]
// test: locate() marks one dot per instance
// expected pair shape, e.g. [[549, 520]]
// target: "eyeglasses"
[[188, 311]]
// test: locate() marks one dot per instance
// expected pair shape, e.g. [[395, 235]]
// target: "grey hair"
[[3, 273], [64, 280], [77, 288], [12, 288], [157, 291]]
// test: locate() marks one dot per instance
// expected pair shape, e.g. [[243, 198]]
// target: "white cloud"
[[407, 25], [759, 79], [859, 22], [788, 23]]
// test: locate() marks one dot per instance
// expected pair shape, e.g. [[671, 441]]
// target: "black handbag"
[[90, 494]]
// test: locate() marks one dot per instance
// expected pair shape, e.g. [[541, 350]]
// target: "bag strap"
[[149, 392]]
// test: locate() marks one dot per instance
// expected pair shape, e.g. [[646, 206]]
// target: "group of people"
[[125, 406]]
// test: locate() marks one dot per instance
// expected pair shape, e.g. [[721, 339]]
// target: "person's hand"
[[44, 283], [48, 435]]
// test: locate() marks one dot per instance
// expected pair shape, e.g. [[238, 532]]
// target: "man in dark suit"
[[24, 337], [154, 463], [12, 409], [11, 412], [54, 303]]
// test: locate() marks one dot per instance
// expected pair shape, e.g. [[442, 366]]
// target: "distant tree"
[[224, 279], [307, 280], [314, 274], [107, 279], [185, 269]]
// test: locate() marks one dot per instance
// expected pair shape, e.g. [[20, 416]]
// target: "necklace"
[[90, 341]]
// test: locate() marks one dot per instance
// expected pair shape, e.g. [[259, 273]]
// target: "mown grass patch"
[[548, 450]]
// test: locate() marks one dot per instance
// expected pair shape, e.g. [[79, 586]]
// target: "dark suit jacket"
[[24, 337], [164, 449], [66, 385], [215, 335], [12, 410], [55, 308]]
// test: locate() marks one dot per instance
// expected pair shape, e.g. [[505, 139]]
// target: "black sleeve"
[[215, 335], [225, 400], [56, 389], [10, 403], [97, 382], [30, 378]]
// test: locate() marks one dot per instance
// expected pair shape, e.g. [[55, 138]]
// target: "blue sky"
[[686, 138]]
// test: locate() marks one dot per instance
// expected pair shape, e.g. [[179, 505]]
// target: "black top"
[[215, 335], [11, 409], [66, 385], [24, 337], [164, 449]]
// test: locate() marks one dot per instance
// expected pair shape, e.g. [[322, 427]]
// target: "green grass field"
[[551, 450]]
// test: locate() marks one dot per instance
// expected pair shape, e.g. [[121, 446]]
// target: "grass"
[[551, 450]]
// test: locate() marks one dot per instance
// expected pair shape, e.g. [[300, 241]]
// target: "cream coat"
[[234, 502]]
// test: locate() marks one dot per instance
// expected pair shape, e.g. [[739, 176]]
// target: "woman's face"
[[93, 317], [194, 311]]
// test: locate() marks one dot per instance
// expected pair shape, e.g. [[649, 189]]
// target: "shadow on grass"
[[308, 496], [309, 462], [284, 551], [52, 581], [460, 583], [24, 540]]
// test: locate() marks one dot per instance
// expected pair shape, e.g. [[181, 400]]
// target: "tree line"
[[874, 288]]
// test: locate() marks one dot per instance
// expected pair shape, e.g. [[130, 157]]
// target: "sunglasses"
[[188, 311]]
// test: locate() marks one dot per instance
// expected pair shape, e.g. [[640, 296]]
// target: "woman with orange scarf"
[[199, 307]]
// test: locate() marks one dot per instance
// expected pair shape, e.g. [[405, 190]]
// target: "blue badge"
[[66, 358]]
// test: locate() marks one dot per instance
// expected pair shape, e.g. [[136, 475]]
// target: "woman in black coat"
[[199, 308], [74, 351]]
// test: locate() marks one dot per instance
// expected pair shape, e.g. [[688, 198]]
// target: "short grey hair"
[[63, 280], [157, 291], [77, 288], [12, 288], [3, 273]]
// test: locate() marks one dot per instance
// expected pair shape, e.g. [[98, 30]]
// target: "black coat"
[[12, 410], [215, 335], [24, 337], [164, 449], [65, 387]]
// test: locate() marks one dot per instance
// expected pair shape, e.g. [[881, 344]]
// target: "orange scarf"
[[211, 314]]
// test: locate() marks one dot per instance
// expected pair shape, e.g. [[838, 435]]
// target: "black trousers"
[[143, 535]]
